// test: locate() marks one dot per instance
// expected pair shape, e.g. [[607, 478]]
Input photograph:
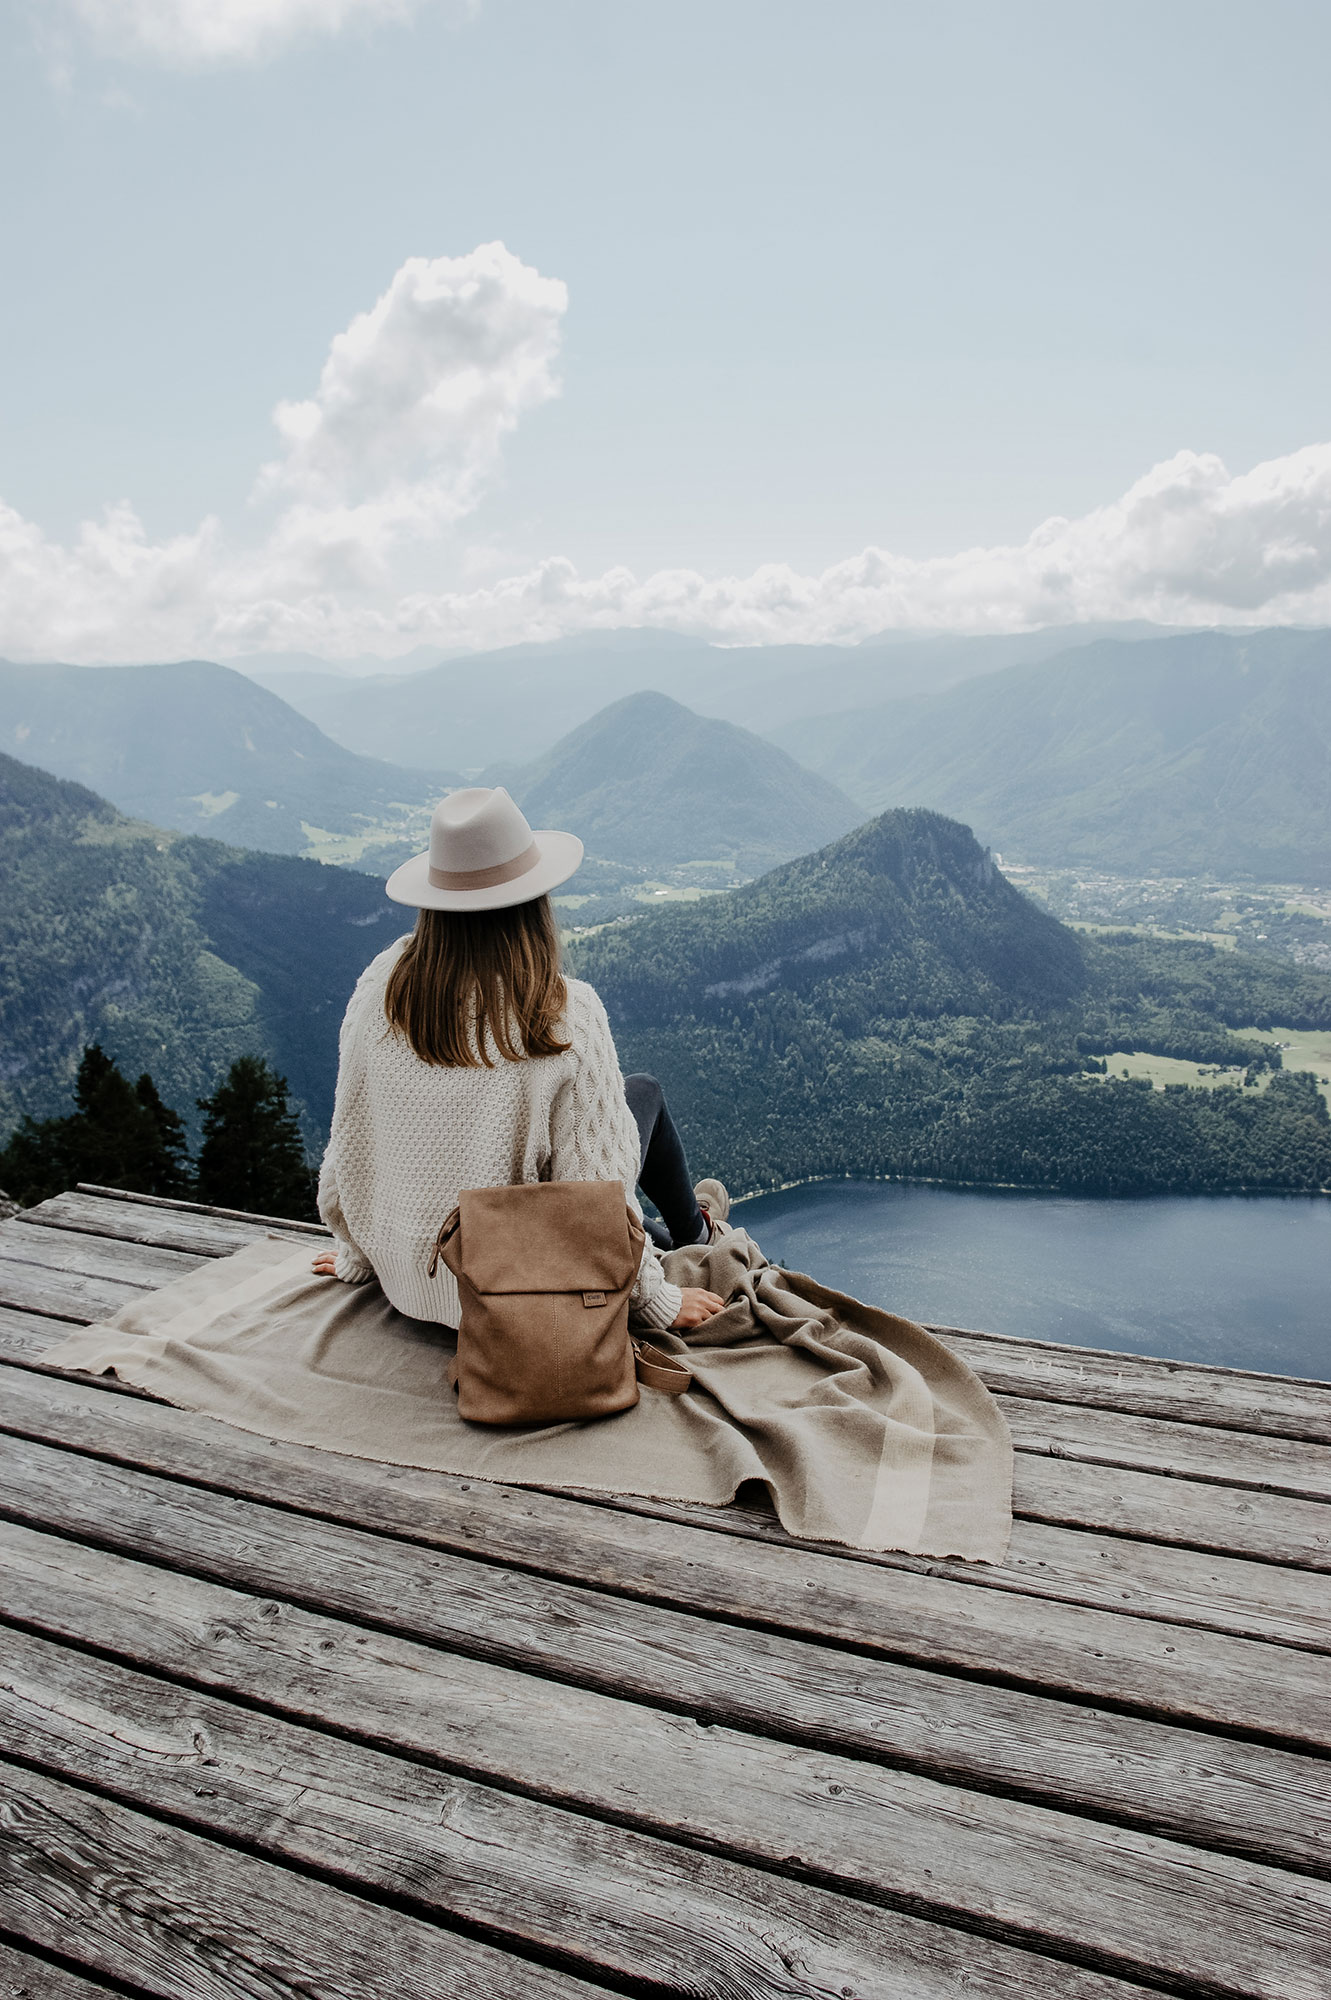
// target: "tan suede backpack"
[[544, 1275]]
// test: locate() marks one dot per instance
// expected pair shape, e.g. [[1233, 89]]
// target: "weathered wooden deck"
[[281, 1723]]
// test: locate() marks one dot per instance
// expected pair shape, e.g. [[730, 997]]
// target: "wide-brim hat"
[[484, 856]]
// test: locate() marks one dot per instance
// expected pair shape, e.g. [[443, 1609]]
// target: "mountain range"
[[514, 703], [1197, 754], [203, 749], [199, 748], [1184, 754], [887, 1004]]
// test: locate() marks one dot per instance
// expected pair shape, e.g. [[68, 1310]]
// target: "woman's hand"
[[325, 1264], [698, 1307]]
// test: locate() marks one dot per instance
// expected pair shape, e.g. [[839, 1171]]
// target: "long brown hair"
[[470, 979]]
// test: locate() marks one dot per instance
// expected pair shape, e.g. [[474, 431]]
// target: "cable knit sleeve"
[[352, 1266], [593, 1137]]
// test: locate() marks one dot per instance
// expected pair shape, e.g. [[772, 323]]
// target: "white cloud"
[[409, 419], [193, 34], [418, 395]]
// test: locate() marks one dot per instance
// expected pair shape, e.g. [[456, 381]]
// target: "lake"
[[1243, 1281]]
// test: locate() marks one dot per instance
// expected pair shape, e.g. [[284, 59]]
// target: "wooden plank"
[[23, 1977], [67, 1295], [1158, 1444], [1244, 1459], [1240, 1797], [1267, 1465], [1149, 1506], [1110, 1571], [913, 1614], [1173, 1586], [139, 1264], [1139, 1506], [25, 1340], [617, 1902], [167, 1202], [1086, 1434], [1230, 1398], [200, 1234], [1225, 1398], [25, 1337], [1139, 1906], [1185, 1587], [1233, 1796], [177, 1915], [1095, 1501]]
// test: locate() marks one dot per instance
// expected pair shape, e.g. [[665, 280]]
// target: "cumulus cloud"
[[418, 395], [193, 34], [407, 422]]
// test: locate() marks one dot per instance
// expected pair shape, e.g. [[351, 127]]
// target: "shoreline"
[[1027, 1187]]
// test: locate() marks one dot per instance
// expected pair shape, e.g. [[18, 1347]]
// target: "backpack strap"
[[661, 1371]]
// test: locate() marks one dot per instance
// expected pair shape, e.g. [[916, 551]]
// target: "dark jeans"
[[663, 1172]]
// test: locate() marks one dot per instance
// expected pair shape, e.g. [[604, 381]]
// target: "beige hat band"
[[485, 878]]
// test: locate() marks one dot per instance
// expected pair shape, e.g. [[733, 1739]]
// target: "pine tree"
[[252, 1156], [170, 1127], [120, 1135]]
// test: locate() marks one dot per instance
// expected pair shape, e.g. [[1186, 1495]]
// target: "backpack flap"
[[547, 1236]]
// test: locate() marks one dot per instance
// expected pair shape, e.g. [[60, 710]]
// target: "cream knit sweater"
[[408, 1136]]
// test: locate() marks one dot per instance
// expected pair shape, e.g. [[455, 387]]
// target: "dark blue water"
[[1240, 1281]]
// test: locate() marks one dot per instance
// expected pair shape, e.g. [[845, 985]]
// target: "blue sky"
[[910, 280]]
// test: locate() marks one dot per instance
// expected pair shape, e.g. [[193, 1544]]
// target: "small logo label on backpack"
[[593, 1298]]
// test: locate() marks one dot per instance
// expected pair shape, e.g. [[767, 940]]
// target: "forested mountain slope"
[[1203, 753], [650, 784], [893, 1005], [203, 749], [177, 954]]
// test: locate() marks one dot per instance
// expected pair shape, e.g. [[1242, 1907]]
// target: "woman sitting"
[[468, 1060]]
